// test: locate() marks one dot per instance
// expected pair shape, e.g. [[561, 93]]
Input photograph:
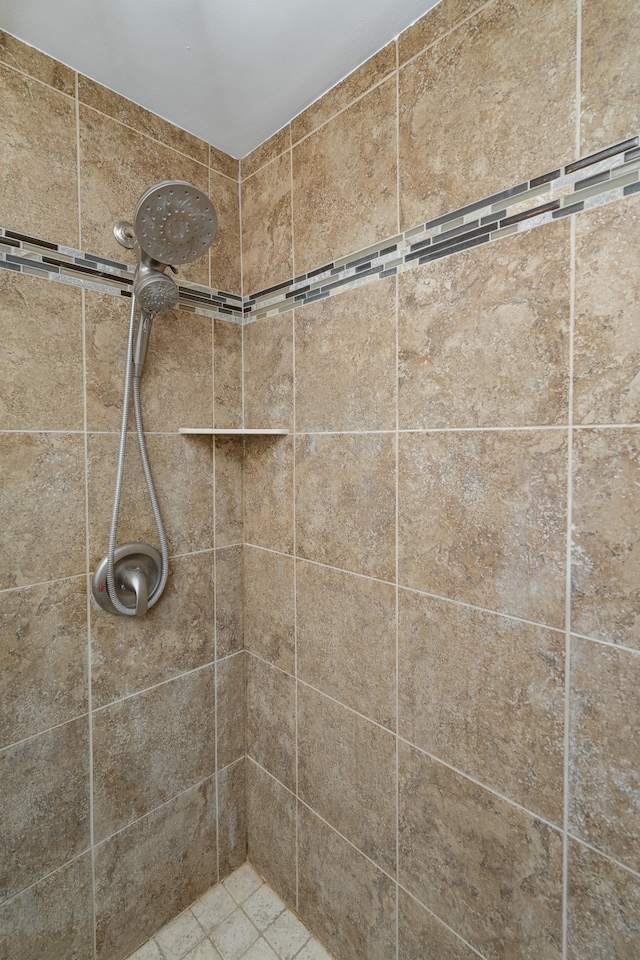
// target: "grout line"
[[440, 920], [350, 433], [46, 876], [42, 733], [294, 536], [42, 583], [578, 75], [215, 612], [397, 619], [605, 856], [446, 33]]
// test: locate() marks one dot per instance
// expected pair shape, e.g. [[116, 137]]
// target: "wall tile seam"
[[268, 162], [403, 740], [43, 83], [13, 744], [163, 683], [415, 590], [601, 853], [14, 896], [441, 36], [335, 433]]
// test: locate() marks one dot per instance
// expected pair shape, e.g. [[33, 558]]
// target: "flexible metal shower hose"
[[137, 409]]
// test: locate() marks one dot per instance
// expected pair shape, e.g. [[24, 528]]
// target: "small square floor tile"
[[287, 935], [242, 883], [234, 935], [313, 951], [150, 951], [214, 907], [204, 951], [263, 907], [260, 951], [180, 936]]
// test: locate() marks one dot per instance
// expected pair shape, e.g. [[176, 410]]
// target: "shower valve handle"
[[135, 579]]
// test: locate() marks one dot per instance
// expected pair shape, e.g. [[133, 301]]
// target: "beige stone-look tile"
[[263, 907], [609, 74], [223, 163], [346, 639], [607, 322], [225, 249], [44, 796], [483, 337], [227, 374], [485, 694], [176, 635], [41, 375], [126, 111], [418, 929], [345, 899], [346, 361], [234, 936], [232, 818], [482, 519], [498, 101], [214, 907], [344, 181], [266, 152], [229, 601], [268, 373], [117, 165], [287, 935], [43, 657], [437, 21], [269, 617], [271, 818], [267, 252], [603, 906], [605, 572], [42, 508], [231, 709], [271, 720], [371, 72], [148, 748], [347, 774], [229, 456], [52, 919], [182, 478], [38, 163], [176, 385], [268, 493], [14, 53], [604, 749], [345, 501], [489, 870], [149, 872]]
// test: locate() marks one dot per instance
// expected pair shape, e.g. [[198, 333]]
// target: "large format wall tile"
[[344, 181], [232, 817], [148, 748], [266, 152], [176, 386], [605, 563], [267, 253], [502, 106], [610, 73], [419, 930], [271, 720], [229, 467], [605, 749], [346, 639], [38, 162], [117, 165], [227, 374], [229, 601], [45, 803], [230, 710], [129, 654], [269, 614], [225, 249], [268, 493], [485, 694], [42, 508], [491, 871], [483, 337], [271, 817], [347, 774], [345, 899], [35, 64], [603, 906], [149, 872], [345, 501], [41, 372], [346, 361], [52, 919], [268, 373], [607, 315], [43, 659], [437, 21], [183, 482], [482, 519]]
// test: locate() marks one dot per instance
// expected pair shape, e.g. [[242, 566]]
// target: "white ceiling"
[[230, 72]]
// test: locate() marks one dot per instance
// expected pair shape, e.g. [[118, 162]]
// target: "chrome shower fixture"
[[174, 222]]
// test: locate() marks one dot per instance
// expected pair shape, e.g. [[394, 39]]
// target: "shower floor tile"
[[239, 919]]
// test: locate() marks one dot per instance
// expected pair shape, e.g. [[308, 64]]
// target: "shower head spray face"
[[175, 222], [155, 291]]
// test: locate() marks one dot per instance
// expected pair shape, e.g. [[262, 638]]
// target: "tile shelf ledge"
[[221, 432]]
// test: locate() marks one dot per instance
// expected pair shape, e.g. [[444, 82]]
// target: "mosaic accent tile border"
[[592, 181], [40, 258]]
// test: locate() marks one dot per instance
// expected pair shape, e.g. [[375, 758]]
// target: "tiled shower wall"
[[121, 768], [441, 562]]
